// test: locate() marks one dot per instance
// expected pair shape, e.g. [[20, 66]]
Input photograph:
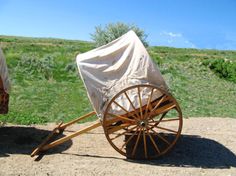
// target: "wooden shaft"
[[66, 138], [77, 120], [35, 152]]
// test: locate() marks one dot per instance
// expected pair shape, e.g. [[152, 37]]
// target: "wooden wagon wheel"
[[142, 122]]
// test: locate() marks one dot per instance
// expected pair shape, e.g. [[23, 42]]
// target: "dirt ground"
[[207, 147]]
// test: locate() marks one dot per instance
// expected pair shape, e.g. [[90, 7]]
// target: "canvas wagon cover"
[[111, 68], [4, 73]]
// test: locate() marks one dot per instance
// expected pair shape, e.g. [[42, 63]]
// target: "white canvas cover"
[[4, 73], [111, 68]]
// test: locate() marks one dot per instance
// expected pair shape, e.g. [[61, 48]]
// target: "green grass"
[[46, 86], [198, 89]]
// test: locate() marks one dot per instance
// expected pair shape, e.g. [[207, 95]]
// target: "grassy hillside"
[[46, 86]]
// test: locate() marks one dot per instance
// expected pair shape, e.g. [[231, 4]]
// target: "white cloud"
[[190, 44], [173, 39], [171, 34]]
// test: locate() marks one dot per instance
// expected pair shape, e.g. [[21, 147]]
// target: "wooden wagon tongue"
[[50, 141]]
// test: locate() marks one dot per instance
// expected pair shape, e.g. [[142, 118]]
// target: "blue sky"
[[179, 23]]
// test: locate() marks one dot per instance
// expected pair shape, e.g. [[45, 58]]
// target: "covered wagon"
[[140, 118]]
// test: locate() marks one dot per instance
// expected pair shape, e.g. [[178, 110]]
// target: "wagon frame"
[[143, 122]]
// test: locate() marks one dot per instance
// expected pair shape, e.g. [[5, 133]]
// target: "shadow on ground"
[[194, 151], [190, 151], [22, 140]]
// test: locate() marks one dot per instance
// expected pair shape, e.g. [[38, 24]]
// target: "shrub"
[[223, 68], [31, 66], [71, 67], [112, 31]]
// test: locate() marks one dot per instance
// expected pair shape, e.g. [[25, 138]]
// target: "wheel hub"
[[142, 123]]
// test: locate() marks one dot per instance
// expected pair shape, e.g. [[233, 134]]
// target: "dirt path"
[[207, 147]]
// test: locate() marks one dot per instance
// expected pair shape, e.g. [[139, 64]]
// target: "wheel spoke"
[[126, 142], [144, 144], [132, 105], [157, 122], [111, 121], [124, 109], [166, 129], [140, 103], [117, 128], [136, 143], [127, 131], [154, 143], [121, 117], [166, 109], [148, 104], [165, 120], [161, 137], [153, 110]]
